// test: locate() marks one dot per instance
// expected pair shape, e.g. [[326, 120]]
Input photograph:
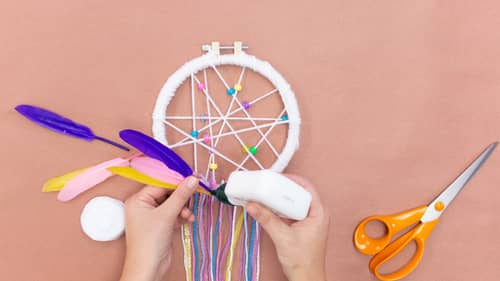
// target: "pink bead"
[[206, 138], [201, 86]]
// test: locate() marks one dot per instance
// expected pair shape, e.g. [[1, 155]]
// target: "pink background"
[[396, 96]]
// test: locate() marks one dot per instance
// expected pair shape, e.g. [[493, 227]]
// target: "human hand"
[[150, 222], [300, 245]]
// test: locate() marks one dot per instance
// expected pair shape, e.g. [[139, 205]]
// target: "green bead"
[[253, 150]]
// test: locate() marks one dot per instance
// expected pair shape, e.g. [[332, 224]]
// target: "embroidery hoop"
[[213, 58]]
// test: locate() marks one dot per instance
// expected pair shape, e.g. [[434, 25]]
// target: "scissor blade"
[[435, 208]]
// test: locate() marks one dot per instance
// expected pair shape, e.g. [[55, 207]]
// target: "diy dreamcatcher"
[[238, 113], [221, 113]]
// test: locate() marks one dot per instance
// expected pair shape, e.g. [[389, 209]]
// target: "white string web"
[[225, 119]]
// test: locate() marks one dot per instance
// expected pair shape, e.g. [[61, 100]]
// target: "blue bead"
[[231, 91], [284, 117], [195, 134]]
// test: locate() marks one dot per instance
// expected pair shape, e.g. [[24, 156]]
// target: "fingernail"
[[192, 182]]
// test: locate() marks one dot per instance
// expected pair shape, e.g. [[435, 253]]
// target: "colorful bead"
[[246, 105], [213, 166], [211, 150], [201, 86], [195, 134], [203, 117], [206, 138], [238, 87], [284, 117], [253, 150], [244, 149], [231, 91]]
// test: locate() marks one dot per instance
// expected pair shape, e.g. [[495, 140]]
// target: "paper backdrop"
[[396, 98]]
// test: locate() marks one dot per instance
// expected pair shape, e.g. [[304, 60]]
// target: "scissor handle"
[[418, 234], [393, 223]]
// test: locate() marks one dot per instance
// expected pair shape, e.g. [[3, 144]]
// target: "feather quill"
[[62, 125], [155, 149], [137, 176], [89, 178]]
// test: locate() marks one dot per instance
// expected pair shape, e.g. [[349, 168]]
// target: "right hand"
[[300, 245]]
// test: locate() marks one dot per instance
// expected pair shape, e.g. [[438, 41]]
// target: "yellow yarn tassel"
[[186, 245], [234, 241]]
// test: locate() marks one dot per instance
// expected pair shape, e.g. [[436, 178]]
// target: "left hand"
[[151, 219]]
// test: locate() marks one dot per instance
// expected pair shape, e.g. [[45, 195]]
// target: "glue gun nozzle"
[[220, 194]]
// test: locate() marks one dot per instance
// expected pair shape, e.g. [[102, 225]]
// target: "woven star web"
[[225, 128]]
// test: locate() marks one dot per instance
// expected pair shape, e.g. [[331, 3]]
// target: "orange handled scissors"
[[425, 218]]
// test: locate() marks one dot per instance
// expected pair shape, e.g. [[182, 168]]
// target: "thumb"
[[271, 223], [172, 207]]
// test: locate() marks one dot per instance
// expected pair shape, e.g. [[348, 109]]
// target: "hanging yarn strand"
[[186, 246], [218, 240], [212, 253]]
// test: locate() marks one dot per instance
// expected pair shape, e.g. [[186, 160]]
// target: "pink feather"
[[156, 169], [89, 178]]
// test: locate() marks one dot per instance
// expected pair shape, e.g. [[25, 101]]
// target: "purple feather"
[[155, 149], [60, 124]]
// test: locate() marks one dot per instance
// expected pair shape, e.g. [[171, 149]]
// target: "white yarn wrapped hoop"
[[242, 59]]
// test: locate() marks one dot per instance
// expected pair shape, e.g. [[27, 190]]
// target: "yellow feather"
[[57, 183], [133, 174]]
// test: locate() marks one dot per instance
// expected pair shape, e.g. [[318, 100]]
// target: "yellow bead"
[[244, 149], [238, 87], [213, 166]]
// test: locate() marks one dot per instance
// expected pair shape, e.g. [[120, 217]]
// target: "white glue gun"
[[273, 190]]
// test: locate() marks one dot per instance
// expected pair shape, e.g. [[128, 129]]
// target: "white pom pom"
[[103, 218]]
